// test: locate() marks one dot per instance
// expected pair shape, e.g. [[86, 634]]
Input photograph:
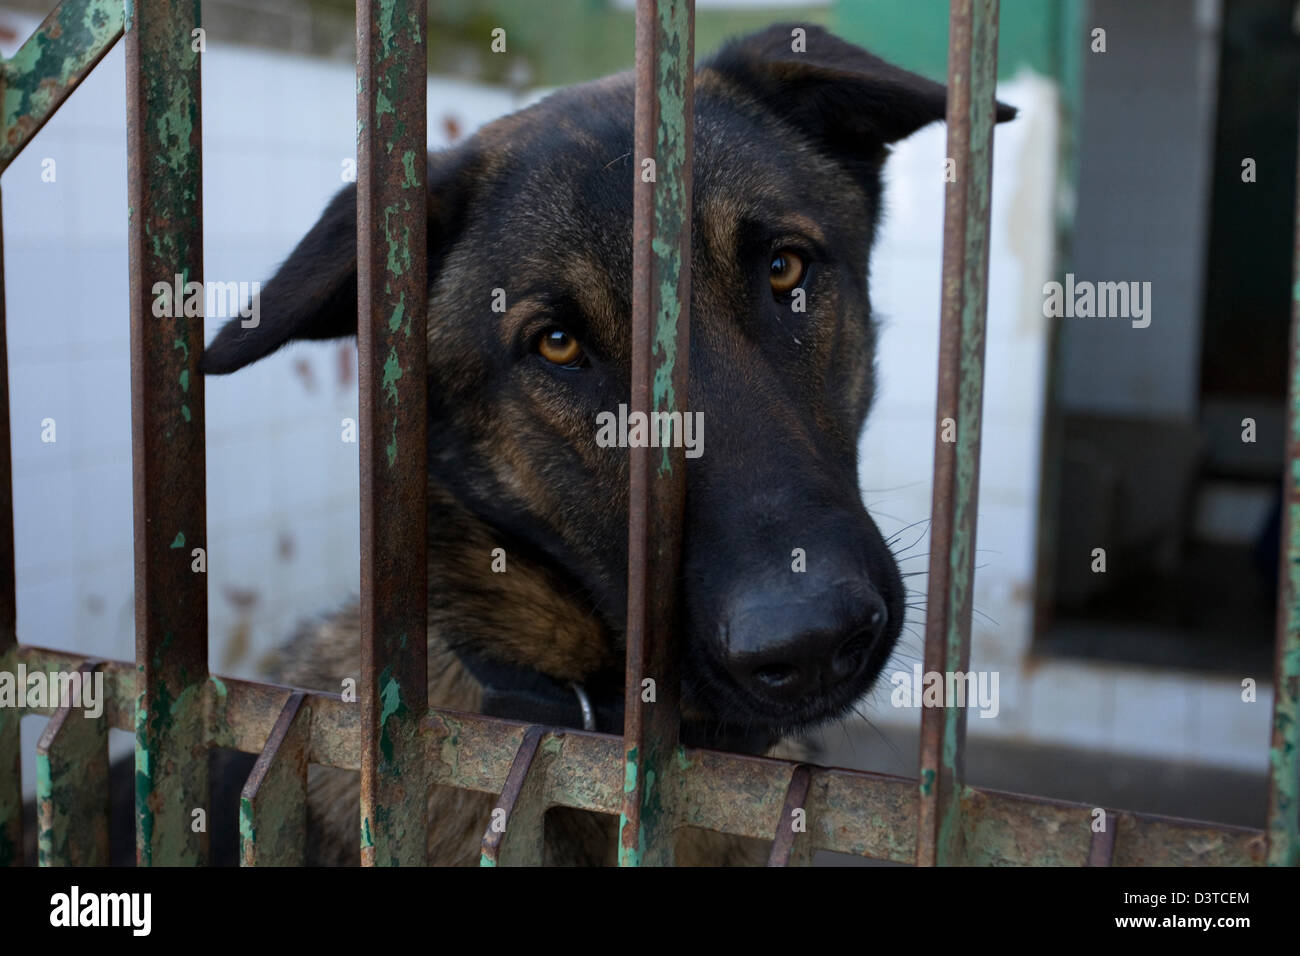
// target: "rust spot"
[[346, 353], [302, 368], [240, 598]]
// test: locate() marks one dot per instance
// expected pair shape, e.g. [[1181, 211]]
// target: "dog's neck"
[[534, 653]]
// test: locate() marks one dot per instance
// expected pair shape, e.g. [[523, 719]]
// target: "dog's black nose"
[[783, 651]]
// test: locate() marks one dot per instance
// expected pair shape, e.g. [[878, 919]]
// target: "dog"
[[789, 146]]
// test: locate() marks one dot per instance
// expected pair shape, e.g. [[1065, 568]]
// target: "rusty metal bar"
[[36, 80], [273, 803], [972, 76], [792, 845], [11, 781], [1284, 742], [1101, 851], [391, 222], [72, 805], [661, 296], [863, 814], [165, 238], [516, 834]]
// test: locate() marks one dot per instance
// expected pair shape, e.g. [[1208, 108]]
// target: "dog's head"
[[792, 599]]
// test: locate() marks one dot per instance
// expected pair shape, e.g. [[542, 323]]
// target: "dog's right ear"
[[313, 295]]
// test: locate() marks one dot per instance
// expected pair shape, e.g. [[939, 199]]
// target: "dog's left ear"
[[313, 295], [850, 102]]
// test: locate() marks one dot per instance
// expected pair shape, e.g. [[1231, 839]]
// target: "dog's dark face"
[[792, 599]]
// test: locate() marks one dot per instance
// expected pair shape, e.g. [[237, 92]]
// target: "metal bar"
[[1101, 851], [241, 714], [72, 805], [391, 224], [972, 76], [516, 833], [36, 80], [165, 238], [273, 803], [661, 296], [863, 814], [1284, 742], [11, 781], [792, 845]]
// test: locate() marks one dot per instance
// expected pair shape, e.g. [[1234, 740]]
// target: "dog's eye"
[[559, 348], [786, 271]]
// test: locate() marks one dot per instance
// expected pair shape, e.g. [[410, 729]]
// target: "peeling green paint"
[[390, 697], [179, 540], [50, 65], [927, 781], [392, 375], [247, 826]]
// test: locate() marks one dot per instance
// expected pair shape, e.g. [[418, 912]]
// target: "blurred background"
[[1121, 689]]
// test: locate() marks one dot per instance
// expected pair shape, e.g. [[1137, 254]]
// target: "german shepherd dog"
[[789, 145]]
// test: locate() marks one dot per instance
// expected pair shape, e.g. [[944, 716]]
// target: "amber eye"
[[559, 347], [786, 271]]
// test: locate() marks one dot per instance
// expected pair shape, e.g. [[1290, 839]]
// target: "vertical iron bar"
[[972, 77], [661, 295], [165, 237], [1284, 744], [391, 331], [11, 784]]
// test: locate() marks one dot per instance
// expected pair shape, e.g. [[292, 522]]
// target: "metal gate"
[[178, 711]]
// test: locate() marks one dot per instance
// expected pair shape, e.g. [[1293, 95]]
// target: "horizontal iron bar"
[[853, 812]]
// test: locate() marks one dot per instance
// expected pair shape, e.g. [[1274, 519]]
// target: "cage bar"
[[50, 65], [661, 301], [11, 780], [165, 237], [1101, 851], [1284, 743], [516, 831], [391, 223], [972, 77], [273, 802], [791, 845], [72, 805]]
